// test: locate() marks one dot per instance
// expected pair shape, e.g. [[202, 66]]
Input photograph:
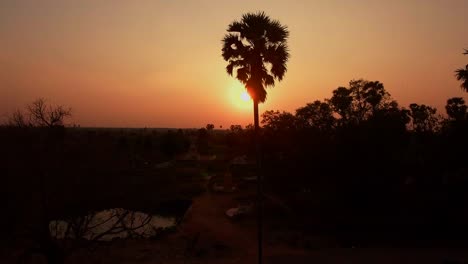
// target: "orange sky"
[[158, 63]]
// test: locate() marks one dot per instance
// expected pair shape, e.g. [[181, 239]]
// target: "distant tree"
[[47, 115], [278, 132], [456, 109], [367, 97], [236, 128], [358, 102], [18, 119], [317, 114], [341, 103], [278, 121], [388, 125], [462, 75], [209, 127], [391, 110], [423, 118], [39, 114]]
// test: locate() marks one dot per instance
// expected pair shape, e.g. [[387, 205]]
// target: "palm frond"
[[277, 56], [276, 32], [268, 80], [462, 75], [255, 25], [236, 26], [256, 20], [234, 63], [232, 47], [243, 74]]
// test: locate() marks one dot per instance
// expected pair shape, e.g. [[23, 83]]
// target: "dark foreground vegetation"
[[362, 167]]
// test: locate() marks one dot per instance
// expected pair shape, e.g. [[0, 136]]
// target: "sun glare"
[[245, 96], [239, 96]]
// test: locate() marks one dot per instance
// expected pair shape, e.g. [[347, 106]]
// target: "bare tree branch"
[[42, 114], [17, 119]]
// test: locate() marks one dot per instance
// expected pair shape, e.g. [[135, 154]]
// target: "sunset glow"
[[245, 96], [239, 98], [159, 64]]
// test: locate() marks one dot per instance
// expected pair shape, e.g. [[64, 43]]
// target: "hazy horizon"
[[158, 64]]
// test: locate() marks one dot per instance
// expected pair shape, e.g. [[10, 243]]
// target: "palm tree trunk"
[[259, 183]]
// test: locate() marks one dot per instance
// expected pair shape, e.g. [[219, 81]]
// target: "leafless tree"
[[44, 115], [40, 114], [17, 119]]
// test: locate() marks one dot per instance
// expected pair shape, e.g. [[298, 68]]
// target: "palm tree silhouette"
[[462, 75], [256, 47]]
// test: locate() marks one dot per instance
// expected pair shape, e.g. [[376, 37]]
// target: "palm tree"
[[256, 48], [462, 75]]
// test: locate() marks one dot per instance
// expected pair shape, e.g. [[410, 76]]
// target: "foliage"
[[423, 118], [256, 49], [462, 75], [317, 114], [362, 145], [276, 120], [456, 109], [361, 100]]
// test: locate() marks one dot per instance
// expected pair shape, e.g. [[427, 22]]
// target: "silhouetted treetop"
[[462, 75], [276, 120], [256, 48], [423, 118], [317, 114], [360, 101], [341, 102], [456, 109]]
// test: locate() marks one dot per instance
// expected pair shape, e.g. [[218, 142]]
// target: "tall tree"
[[462, 75], [256, 47]]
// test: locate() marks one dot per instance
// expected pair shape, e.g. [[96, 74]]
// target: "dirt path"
[[207, 220]]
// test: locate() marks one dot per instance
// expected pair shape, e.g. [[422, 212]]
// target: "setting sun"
[[245, 96], [238, 96]]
